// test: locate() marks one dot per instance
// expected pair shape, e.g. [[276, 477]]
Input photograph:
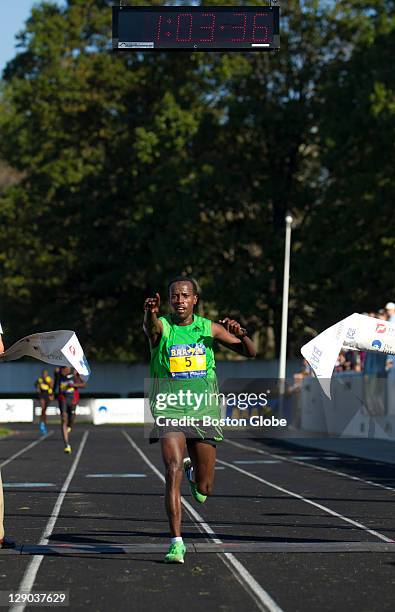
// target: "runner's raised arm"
[[152, 326]]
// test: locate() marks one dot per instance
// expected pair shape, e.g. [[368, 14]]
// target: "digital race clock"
[[203, 28]]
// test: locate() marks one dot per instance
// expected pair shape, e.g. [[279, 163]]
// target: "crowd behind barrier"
[[363, 394]]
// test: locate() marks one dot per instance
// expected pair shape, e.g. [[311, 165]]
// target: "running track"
[[284, 515]]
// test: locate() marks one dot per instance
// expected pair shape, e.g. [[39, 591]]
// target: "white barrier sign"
[[16, 411], [60, 347], [83, 409], [356, 332], [118, 411]]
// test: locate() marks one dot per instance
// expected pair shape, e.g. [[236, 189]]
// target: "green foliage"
[[129, 169]]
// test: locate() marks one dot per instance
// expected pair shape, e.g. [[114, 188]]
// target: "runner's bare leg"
[[65, 433], [173, 449], [203, 458], [43, 417]]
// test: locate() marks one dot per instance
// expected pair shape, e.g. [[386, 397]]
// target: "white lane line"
[[262, 599], [327, 458], [26, 485], [253, 461], [308, 501], [115, 475], [307, 458], [23, 450], [310, 466], [30, 574]]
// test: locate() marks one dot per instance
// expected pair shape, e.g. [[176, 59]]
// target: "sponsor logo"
[[136, 45], [103, 409], [376, 344], [315, 358], [351, 333], [388, 348], [380, 328], [55, 357]]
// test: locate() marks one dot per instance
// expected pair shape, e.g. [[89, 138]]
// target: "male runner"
[[78, 384], [182, 354], [44, 386], [68, 381]]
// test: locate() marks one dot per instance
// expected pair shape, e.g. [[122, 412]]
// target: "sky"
[[13, 14]]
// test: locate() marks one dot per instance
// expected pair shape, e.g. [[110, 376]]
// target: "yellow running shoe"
[[67, 449]]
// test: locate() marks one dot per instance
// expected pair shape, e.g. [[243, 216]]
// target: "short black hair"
[[185, 279]]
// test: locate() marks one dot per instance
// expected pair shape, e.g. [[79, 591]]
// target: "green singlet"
[[183, 382]]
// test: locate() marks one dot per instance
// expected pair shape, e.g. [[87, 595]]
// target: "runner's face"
[[182, 300]]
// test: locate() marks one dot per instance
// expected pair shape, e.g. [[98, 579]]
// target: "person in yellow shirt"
[[44, 386]]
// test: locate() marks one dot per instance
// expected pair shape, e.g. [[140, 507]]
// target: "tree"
[[134, 168]]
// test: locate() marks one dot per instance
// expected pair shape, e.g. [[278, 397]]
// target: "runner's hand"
[[152, 304], [233, 327]]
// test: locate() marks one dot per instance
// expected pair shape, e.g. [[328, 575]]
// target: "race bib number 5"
[[187, 360]]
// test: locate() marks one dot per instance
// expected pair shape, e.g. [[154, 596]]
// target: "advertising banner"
[[130, 410], [16, 411]]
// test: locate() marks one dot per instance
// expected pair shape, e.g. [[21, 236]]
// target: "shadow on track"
[[86, 538]]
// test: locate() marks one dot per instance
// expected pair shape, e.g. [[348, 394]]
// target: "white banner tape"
[[60, 347], [356, 332]]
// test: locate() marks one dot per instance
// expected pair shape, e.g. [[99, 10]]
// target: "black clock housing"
[[203, 28]]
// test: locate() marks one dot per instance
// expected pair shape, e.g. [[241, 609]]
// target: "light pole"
[[284, 315]]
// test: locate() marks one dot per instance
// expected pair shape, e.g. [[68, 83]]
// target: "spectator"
[[4, 542], [390, 311], [390, 317], [340, 362], [375, 367], [299, 376], [352, 361]]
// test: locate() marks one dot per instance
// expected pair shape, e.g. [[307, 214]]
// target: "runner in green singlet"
[[183, 364]]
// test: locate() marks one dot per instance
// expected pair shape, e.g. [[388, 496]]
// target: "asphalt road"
[[287, 528]]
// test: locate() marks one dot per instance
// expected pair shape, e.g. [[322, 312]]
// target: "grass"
[[4, 432]]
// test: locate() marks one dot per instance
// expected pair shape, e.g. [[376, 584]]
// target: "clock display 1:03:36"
[[184, 27]]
